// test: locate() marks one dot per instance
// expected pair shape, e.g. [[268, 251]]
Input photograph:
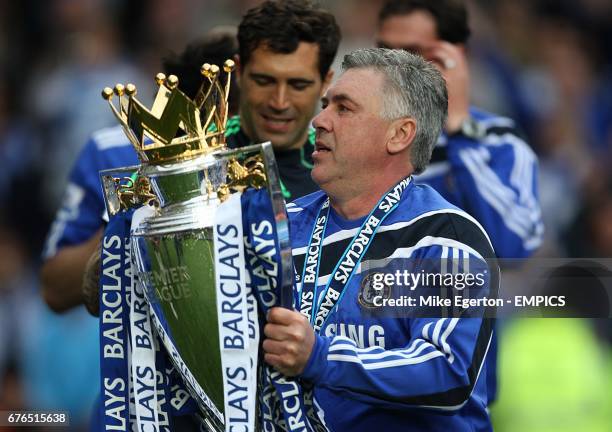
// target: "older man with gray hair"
[[371, 367]]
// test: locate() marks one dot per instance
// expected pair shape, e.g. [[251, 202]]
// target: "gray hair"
[[413, 88]]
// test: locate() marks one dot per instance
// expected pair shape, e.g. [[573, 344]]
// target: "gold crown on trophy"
[[176, 128]]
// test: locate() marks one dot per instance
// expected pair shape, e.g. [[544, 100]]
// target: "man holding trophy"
[[209, 249], [418, 373]]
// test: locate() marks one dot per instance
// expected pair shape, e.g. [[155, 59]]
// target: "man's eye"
[[261, 81], [342, 108], [300, 86]]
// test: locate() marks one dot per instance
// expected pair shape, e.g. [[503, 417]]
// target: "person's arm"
[[438, 368], [62, 274], [74, 234], [496, 179]]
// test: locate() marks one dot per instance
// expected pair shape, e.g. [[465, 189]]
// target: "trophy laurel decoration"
[[193, 189]]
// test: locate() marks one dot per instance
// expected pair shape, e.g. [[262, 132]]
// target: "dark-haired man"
[[286, 49]]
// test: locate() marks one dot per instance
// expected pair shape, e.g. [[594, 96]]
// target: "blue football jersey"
[[492, 175], [82, 209], [412, 373]]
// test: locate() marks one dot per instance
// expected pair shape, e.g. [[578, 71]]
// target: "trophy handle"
[[112, 187], [282, 225]]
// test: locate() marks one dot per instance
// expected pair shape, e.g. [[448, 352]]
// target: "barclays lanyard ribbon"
[[140, 390], [315, 305], [238, 322], [282, 404], [115, 284]]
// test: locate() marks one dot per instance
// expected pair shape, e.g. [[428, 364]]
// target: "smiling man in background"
[[286, 49]]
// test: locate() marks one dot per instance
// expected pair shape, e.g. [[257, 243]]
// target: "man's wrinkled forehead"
[[356, 86]]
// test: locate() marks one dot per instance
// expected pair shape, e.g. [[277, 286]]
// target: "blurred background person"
[[480, 164]]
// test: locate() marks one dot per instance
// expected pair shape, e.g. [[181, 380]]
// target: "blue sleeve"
[[82, 208], [497, 182], [436, 368]]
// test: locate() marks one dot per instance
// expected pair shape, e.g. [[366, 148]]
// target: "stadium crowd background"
[[545, 63]]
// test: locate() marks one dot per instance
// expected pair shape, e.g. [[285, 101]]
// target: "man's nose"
[[321, 120], [280, 99]]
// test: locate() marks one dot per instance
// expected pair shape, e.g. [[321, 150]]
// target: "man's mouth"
[[320, 147], [276, 124]]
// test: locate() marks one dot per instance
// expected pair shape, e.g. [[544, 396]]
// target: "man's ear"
[[401, 135], [329, 76]]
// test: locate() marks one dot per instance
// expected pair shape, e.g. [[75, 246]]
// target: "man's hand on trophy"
[[289, 341]]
